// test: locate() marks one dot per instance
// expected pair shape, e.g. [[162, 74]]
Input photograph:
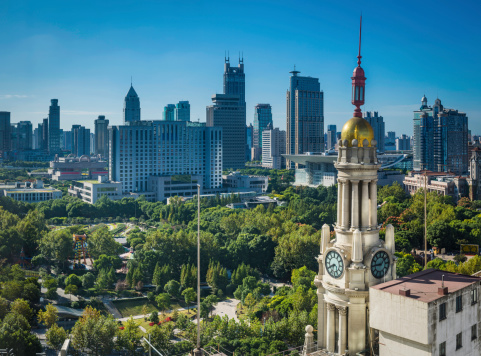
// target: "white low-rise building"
[[237, 182], [30, 192], [431, 312]]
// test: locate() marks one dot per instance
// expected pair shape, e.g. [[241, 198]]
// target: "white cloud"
[[13, 96]]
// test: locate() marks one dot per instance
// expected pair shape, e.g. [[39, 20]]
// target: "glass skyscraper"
[[262, 118], [169, 113], [182, 111], [377, 123], [305, 116], [131, 106], [102, 136], [54, 127]]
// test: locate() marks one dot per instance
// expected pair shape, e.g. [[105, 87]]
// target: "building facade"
[[21, 136], [30, 192], [54, 127], [92, 190], [74, 168], [440, 139], [377, 124], [442, 183], [182, 111], [430, 312], [262, 118], [80, 140], [305, 116], [45, 134], [249, 141], [5, 133], [102, 136], [131, 106], [169, 112], [331, 137], [403, 143], [143, 149], [228, 111], [238, 182], [274, 146]]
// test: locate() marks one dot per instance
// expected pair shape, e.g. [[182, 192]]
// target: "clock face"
[[334, 264], [380, 264]]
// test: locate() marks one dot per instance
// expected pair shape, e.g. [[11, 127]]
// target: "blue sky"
[[84, 52]]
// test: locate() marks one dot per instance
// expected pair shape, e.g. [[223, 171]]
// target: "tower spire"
[[359, 55]]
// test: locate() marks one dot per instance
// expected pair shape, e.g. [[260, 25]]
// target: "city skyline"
[[86, 61]]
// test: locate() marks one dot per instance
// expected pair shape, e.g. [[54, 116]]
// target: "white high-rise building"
[[161, 156], [273, 147]]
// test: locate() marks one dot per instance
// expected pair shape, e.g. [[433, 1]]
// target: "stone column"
[[365, 204], [373, 188], [331, 327], [355, 204], [345, 204], [321, 307], [339, 201], [342, 330]]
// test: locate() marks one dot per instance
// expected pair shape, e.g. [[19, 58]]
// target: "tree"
[[4, 307], [163, 301], [48, 317], [173, 288], [71, 289], [217, 277], [406, 264], [94, 333], [105, 262], [154, 317], [57, 246], [189, 295], [55, 337], [160, 337], [161, 275], [20, 306], [102, 242], [129, 338], [31, 293], [73, 279], [88, 280], [188, 276], [15, 335]]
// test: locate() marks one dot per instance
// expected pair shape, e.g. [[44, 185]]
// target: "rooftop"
[[424, 285]]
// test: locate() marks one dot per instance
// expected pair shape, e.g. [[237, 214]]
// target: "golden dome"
[[359, 129]]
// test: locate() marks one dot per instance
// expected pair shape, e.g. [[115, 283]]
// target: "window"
[[474, 296], [442, 349], [459, 341], [474, 332], [442, 311], [459, 303]]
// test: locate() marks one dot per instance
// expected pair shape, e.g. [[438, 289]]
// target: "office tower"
[[331, 137], [305, 116], [169, 113], [67, 139], [182, 111], [45, 134], [80, 140], [62, 140], [54, 127], [39, 131], [5, 133], [273, 147], [102, 136], [22, 136], [35, 139], [440, 141], [403, 143], [92, 143], [391, 137], [229, 112], [249, 141], [151, 151], [262, 119], [131, 106], [226, 112], [377, 124]]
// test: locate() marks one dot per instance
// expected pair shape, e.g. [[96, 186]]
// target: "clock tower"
[[356, 258]]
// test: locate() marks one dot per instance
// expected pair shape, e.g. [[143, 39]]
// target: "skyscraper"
[[229, 112], [403, 143], [22, 136], [249, 141], [377, 124], [54, 127], [4, 133], [45, 135], [169, 113], [80, 140], [182, 111], [102, 136], [131, 106], [262, 118], [274, 146], [440, 139], [305, 116], [331, 137]]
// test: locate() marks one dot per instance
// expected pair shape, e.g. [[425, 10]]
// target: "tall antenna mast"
[[359, 55]]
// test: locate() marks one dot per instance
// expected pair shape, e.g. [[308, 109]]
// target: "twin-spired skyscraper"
[[229, 112]]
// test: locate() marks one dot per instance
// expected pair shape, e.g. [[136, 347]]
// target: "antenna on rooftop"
[[442, 281]]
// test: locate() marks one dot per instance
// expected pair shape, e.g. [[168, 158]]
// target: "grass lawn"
[[134, 306]]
